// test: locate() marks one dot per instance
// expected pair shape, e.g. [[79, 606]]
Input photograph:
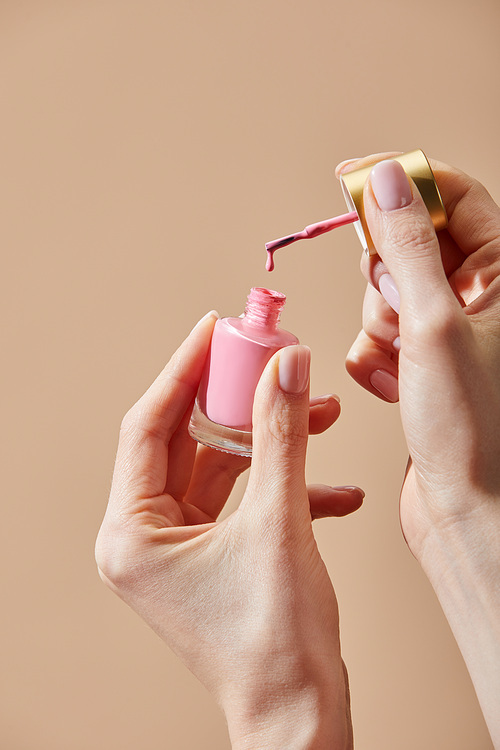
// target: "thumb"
[[276, 485], [405, 238]]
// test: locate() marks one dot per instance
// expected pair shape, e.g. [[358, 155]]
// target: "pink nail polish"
[[390, 185], [386, 384], [293, 371], [321, 400], [389, 291], [239, 351]]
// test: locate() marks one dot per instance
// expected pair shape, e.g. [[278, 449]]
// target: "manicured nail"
[[397, 343], [319, 400], [294, 365], [386, 384], [389, 291], [343, 166], [390, 185], [212, 313], [354, 490]]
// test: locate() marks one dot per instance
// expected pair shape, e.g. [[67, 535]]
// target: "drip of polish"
[[312, 230]]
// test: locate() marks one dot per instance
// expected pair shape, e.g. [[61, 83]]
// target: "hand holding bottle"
[[246, 602], [441, 356]]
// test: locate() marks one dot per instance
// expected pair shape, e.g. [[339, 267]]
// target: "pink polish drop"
[[239, 351], [270, 259]]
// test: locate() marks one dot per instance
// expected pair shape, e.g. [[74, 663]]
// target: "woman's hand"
[[442, 356], [246, 602]]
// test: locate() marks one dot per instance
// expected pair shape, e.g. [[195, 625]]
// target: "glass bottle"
[[239, 351]]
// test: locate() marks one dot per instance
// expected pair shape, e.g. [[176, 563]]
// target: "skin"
[[247, 602], [447, 370]]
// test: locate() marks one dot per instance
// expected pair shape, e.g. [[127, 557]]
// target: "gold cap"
[[417, 167]]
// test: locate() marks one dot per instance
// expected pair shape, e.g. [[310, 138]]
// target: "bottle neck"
[[263, 308]]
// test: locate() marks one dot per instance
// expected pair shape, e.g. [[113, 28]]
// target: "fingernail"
[[319, 400], [357, 490], [293, 370], [397, 344], [390, 185], [212, 313], [386, 384], [389, 291], [343, 166]]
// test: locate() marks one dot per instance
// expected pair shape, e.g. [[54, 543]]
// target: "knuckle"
[[411, 234], [288, 431], [141, 422], [438, 325], [371, 316], [129, 421], [117, 557], [447, 325]]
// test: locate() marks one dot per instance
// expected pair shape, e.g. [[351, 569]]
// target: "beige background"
[[148, 149]]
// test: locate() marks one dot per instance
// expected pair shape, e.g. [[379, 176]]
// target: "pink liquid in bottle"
[[239, 352]]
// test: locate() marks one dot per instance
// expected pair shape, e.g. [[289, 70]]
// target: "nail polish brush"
[[312, 230], [417, 168]]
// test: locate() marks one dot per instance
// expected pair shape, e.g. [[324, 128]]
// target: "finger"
[[470, 247], [324, 502], [181, 459], [380, 322], [373, 368], [276, 487], [478, 275], [349, 165], [373, 267], [327, 501], [213, 479], [405, 238], [142, 458], [215, 472], [473, 215], [323, 412], [377, 274], [463, 198]]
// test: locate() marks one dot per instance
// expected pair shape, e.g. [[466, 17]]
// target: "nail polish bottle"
[[239, 351]]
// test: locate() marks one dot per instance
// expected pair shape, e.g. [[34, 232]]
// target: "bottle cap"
[[417, 167]]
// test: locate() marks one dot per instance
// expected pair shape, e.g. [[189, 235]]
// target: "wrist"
[[462, 562], [293, 713], [462, 552]]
